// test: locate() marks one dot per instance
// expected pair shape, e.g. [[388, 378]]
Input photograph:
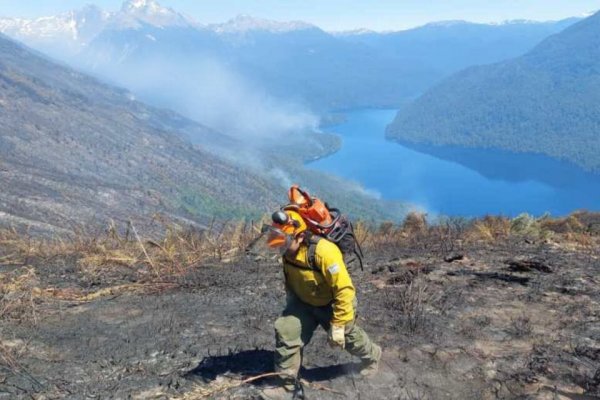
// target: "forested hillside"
[[544, 102], [450, 46]]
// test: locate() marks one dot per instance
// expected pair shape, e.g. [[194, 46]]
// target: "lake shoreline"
[[455, 180]]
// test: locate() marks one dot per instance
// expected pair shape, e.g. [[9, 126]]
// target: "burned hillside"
[[492, 308]]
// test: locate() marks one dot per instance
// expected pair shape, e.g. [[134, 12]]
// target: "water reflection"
[[513, 167]]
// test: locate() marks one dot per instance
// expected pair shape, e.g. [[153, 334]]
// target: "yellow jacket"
[[330, 284]]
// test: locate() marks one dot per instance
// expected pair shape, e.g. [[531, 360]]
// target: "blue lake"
[[454, 180]]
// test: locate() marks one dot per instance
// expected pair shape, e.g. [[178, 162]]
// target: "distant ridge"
[[247, 23], [291, 60], [545, 101]]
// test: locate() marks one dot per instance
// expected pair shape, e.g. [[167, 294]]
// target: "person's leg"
[[293, 330], [358, 342], [360, 345]]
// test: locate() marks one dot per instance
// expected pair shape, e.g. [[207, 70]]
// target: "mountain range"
[[450, 46], [292, 61], [545, 101]]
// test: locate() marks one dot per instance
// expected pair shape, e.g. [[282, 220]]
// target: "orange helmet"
[[287, 225]]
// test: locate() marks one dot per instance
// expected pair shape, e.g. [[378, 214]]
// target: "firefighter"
[[319, 292]]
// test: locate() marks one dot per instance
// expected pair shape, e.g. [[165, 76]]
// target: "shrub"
[[526, 225], [411, 302], [568, 224], [522, 224], [415, 222], [491, 228]]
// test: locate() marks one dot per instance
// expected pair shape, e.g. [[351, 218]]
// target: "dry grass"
[[447, 235], [388, 233], [490, 228], [18, 292], [155, 263], [177, 250], [570, 224]]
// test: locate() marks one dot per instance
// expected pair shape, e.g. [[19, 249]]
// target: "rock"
[[528, 266], [454, 257]]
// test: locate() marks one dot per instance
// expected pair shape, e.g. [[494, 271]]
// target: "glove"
[[337, 336]]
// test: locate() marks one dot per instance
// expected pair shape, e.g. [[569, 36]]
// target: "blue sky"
[[338, 14]]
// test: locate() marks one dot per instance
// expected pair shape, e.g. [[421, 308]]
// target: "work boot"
[[277, 393], [284, 390], [369, 368]]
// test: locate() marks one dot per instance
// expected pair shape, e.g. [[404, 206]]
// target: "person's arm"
[[330, 260]]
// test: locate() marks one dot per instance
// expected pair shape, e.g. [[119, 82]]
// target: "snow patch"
[[246, 23]]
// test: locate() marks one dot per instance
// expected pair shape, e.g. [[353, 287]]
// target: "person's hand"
[[337, 336]]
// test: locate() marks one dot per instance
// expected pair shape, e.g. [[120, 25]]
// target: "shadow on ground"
[[257, 362], [320, 374], [249, 362]]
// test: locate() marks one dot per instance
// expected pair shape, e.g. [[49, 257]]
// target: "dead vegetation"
[[157, 263], [177, 249], [19, 290], [411, 302], [447, 235], [152, 264]]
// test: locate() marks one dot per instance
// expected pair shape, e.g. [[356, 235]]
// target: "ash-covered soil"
[[514, 320]]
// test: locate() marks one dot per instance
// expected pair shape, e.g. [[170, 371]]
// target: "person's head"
[[286, 233]]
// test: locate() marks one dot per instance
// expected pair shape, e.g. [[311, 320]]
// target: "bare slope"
[[73, 149]]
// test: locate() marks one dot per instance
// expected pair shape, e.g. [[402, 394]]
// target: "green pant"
[[295, 327]]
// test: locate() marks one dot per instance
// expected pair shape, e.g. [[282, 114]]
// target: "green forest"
[[546, 101]]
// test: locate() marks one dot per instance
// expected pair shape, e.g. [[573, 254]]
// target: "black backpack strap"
[[357, 250], [313, 240]]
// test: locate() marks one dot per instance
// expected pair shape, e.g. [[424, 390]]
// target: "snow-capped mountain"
[[168, 59], [355, 32], [68, 33], [137, 13], [246, 23]]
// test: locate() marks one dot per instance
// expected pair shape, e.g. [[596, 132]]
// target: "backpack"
[[325, 222]]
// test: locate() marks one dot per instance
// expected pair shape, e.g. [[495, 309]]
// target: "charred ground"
[[493, 308]]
